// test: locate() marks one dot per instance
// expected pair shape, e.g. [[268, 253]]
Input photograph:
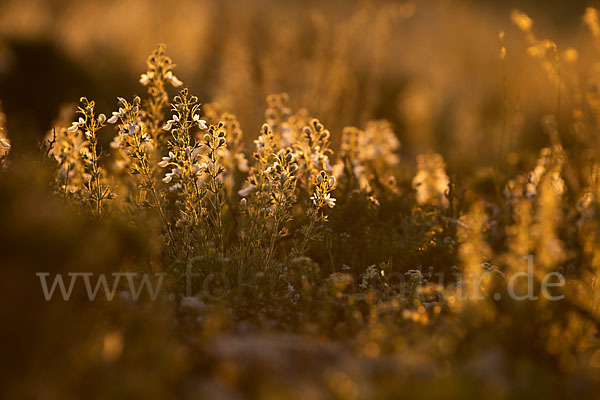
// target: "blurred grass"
[[429, 67]]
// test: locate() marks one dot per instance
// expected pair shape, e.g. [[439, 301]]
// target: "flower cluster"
[[549, 163], [281, 176], [129, 131], [97, 191], [324, 185], [156, 79], [65, 148], [277, 117], [431, 182], [184, 158], [368, 154], [232, 155], [313, 152], [215, 141], [160, 70], [282, 182], [263, 156], [135, 149]]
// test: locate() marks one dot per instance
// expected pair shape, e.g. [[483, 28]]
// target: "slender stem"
[[219, 221], [158, 205], [307, 235], [95, 172], [272, 243]]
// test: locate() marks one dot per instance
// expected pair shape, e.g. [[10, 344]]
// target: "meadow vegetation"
[[305, 260]]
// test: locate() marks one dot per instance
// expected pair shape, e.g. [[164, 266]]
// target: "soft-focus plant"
[[4, 141], [96, 189]]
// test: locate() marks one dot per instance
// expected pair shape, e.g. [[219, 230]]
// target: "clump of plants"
[[345, 241]]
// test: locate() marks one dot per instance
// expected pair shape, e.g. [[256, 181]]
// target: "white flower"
[[176, 82], [168, 177], [145, 78], [170, 123], [115, 117], [75, 126], [326, 199], [315, 198], [166, 160], [201, 123], [173, 79], [247, 189]]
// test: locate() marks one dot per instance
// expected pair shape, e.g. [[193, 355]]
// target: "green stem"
[[307, 235]]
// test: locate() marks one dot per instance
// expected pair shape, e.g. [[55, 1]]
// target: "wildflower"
[[169, 76], [156, 78], [201, 123], [548, 156], [281, 178], [169, 125], [77, 124], [431, 182], [146, 78], [115, 116], [323, 186], [185, 160], [169, 176], [321, 197], [96, 190], [277, 117], [166, 160], [313, 151]]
